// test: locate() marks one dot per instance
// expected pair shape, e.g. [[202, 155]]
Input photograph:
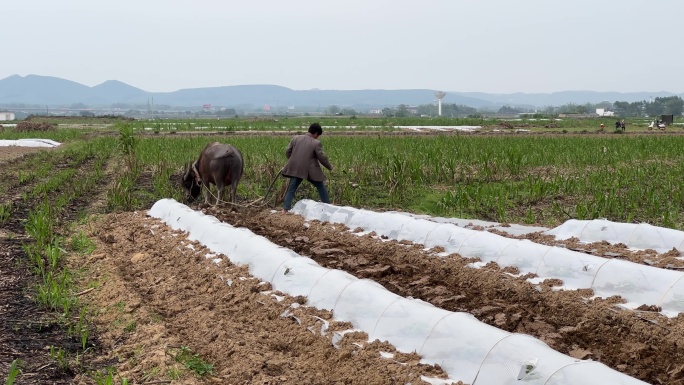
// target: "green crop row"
[[346, 123], [532, 179], [510, 178]]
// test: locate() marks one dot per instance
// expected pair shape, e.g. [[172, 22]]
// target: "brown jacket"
[[304, 154]]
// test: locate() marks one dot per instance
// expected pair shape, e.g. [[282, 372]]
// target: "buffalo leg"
[[233, 195], [205, 191], [219, 192]]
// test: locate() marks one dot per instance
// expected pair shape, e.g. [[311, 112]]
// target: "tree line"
[[669, 105]]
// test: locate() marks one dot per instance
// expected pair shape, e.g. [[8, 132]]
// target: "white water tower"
[[439, 95]]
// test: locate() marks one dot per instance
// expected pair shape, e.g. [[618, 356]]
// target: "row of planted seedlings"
[[57, 288], [353, 123], [225, 124], [23, 173], [38, 165], [47, 224], [528, 179], [336, 123], [128, 191]]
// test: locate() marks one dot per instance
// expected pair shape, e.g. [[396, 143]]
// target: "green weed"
[[5, 211], [193, 362], [60, 357], [130, 327], [14, 370], [108, 377], [81, 244]]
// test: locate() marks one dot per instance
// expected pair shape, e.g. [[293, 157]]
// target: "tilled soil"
[[151, 292], [157, 291], [11, 153], [642, 344]]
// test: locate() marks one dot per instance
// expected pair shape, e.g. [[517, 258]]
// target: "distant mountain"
[[112, 91], [53, 91], [259, 95], [42, 90]]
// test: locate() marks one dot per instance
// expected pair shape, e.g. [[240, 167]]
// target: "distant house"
[[4, 116], [604, 112], [375, 112]]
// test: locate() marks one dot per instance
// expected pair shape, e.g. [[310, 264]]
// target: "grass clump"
[[192, 361], [14, 370]]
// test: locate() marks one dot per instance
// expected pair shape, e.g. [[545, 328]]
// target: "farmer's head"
[[315, 130]]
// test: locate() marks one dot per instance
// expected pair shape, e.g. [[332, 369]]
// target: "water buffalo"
[[218, 164]]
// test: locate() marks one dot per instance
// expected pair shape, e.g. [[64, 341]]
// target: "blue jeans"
[[294, 185]]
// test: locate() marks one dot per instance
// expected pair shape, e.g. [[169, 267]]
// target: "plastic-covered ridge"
[[636, 283], [638, 236], [674, 299], [639, 284], [467, 349], [533, 361], [462, 336], [586, 372], [327, 289], [362, 302], [400, 323], [297, 276], [577, 270]]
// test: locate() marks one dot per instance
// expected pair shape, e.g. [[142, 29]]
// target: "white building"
[[4, 116], [604, 112]]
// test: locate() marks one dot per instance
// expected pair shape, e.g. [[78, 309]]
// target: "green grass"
[[14, 370], [81, 244], [623, 178], [192, 361], [130, 327], [509, 178], [5, 211], [59, 177], [382, 124], [108, 377]]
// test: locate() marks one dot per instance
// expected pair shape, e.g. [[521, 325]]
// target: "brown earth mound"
[[31, 126], [160, 292]]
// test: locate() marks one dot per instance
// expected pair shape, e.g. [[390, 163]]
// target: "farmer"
[[304, 158]]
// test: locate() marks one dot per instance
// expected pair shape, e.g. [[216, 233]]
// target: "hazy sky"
[[498, 46]]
